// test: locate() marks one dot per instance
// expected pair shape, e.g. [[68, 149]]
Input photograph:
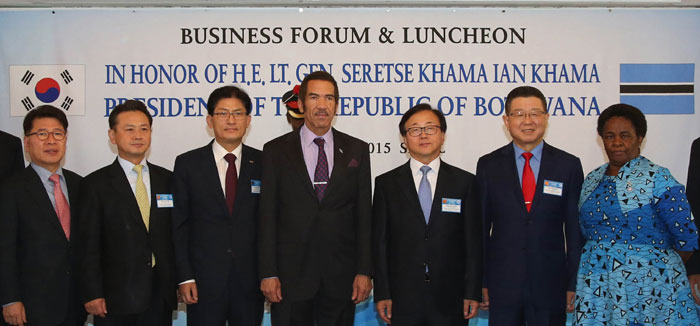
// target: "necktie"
[[142, 196], [425, 194], [231, 181], [142, 200], [321, 173], [528, 181], [62, 207]]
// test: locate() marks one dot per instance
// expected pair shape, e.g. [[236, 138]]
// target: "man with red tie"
[[529, 192], [216, 189], [37, 216]]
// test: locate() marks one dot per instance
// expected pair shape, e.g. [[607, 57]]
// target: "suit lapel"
[[35, 188], [296, 160], [545, 166], [73, 185], [124, 193], [244, 178], [408, 187], [512, 174], [211, 175], [340, 161], [442, 178], [159, 185]]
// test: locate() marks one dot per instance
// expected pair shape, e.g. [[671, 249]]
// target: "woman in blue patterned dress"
[[639, 230]]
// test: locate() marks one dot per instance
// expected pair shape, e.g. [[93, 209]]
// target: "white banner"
[[462, 60]]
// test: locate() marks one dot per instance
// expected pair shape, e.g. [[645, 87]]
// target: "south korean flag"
[[62, 86]]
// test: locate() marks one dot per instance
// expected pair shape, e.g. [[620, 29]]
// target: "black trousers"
[[237, 306], [157, 314], [321, 310], [428, 313]]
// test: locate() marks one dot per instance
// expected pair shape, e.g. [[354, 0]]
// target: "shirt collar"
[[44, 174], [220, 151], [307, 136], [128, 167], [536, 152], [416, 165]]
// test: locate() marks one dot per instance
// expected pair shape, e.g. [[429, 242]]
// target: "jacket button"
[[229, 251], [148, 264]]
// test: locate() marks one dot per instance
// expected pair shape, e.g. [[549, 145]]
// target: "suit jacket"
[[12, 158], [115, 255], [693, 192], [450, 244], [305, 242], [536, 253], [208, 240], [37, 260]]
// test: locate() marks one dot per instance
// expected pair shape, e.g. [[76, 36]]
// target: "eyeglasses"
[[223, 115], [44, 135], [417, 131], [520, 115]]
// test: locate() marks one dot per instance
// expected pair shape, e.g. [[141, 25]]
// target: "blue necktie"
[[424, 193]]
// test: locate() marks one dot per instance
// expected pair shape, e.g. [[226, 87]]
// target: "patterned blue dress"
[[629, 272]]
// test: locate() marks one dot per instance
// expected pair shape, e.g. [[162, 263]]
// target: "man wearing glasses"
[[216, 190], [426, 232], [37, 219], [529, 195]]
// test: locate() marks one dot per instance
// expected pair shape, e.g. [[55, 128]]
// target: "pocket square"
[[353, 163]]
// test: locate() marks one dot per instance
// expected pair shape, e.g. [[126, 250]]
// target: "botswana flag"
[[659, 88]]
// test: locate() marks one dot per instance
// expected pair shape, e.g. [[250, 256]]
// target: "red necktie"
[[62, 207], [528, 181], [231, 181]]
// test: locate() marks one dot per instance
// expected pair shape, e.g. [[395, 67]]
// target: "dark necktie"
[[231, 181], [528, 181], [321, 173]]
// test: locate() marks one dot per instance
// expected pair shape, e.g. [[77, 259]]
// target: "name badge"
[[450, 205], [255, 186], [553, 188], [164, 200]]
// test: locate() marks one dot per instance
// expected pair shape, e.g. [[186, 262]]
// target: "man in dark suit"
[[126, 261], [37, 219], [216, 190], [693, 193], [426, 232], [315, 216], [11, 158], [529, 195]]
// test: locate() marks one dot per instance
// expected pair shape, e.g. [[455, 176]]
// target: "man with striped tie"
[[126, 253]]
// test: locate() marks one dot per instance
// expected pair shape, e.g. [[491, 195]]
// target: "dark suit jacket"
[[208, 240], [115, 255], [450, 244], [11, 156], [36, 259], [536, 253], [305, 242], [693, 193]]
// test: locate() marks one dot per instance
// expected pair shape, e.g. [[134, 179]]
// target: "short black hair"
[[229, 92], [129, 105], [418, 108], [317, 75], [44, 111], [626, 111], [525, 91]]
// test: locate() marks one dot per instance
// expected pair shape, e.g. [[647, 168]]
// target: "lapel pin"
[[340, 150]]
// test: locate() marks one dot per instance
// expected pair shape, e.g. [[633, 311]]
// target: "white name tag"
[[553, 187], [255, 186], [450, 205], [164, 200]]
